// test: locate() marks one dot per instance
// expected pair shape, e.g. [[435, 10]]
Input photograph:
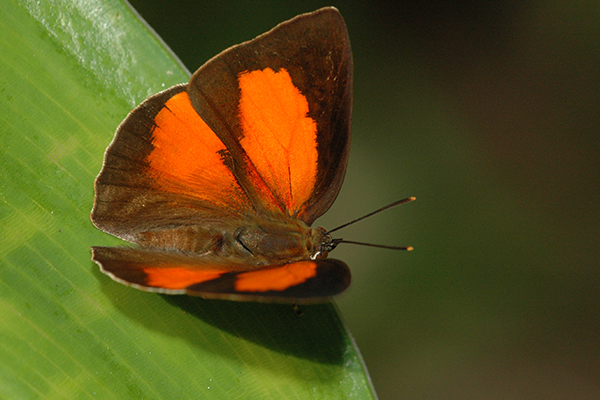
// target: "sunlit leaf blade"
[[69, 73]]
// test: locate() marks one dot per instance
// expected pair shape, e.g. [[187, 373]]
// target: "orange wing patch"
[[187, 156], [278, 279], [279, 137], [171, 277]]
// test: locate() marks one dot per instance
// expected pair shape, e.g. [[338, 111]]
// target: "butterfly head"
[[322, 243]]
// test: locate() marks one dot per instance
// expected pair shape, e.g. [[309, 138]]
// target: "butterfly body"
[[261, 243], [219, 180]]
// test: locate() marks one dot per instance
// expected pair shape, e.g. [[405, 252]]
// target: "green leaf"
[[69, 73]]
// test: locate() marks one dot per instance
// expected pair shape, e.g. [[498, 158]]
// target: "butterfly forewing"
[[302, 72], [164, 169]]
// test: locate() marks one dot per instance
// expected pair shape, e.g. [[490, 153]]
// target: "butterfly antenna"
[[396, 203], [381, 246], [335, 242]]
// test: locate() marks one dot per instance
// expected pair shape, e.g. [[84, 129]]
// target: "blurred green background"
[[489, 114]]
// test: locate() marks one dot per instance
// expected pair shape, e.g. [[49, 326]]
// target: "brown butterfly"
[[219, 180]]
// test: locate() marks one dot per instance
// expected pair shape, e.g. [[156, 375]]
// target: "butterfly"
[[218, 181]]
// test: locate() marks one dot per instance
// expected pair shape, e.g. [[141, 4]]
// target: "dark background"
[[489, 115]]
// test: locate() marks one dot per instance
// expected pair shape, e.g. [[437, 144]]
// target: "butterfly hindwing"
[[179, 273]]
